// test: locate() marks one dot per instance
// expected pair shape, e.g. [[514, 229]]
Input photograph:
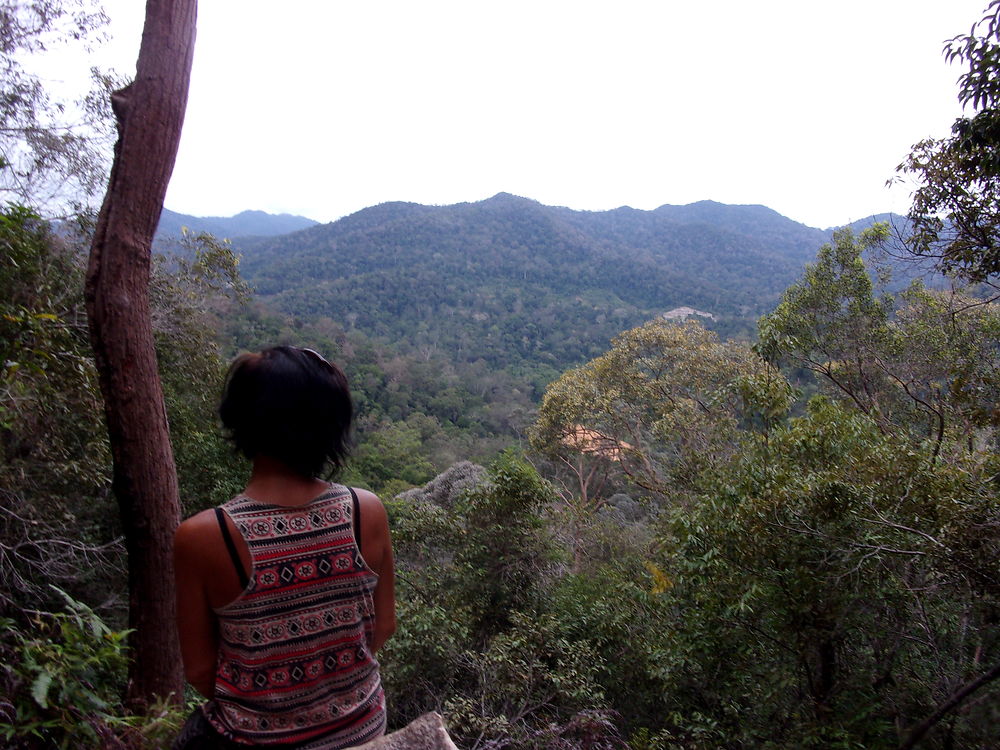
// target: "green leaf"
[[40, 689]]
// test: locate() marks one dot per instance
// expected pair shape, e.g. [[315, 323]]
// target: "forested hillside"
[[452, 320], [512, 282]]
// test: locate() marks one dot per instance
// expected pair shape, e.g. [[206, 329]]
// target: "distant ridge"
[[243, 224], [899, 224], [516, 283]]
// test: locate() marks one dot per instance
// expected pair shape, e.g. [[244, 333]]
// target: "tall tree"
[[150, 114], [666, 403], [53, 147], [955, 215], [921, 363]]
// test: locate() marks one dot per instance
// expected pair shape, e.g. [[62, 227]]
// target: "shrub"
[[62, 679]]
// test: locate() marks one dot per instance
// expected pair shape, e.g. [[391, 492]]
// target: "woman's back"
[[294, 660], [278, 613]]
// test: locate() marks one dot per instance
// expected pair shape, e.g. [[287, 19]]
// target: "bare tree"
[[149, 114]]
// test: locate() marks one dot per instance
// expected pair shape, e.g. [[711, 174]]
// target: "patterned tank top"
[[294, 666]]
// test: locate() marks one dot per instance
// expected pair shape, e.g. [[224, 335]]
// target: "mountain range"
[[244, 224], [514, 282]]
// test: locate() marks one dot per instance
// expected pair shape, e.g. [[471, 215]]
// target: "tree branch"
[[917, 733]]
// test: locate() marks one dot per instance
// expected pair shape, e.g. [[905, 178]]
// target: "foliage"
[[803, 574], [548, 699], [192, 286], [44, 342], [980, 85], [805, 593], [528, 289], [392, 456], [503, 554], [56, 510], [52, 446], [494, 633], [664, 405], [614, 609], [955, 216], [53, 147], [863, 347], [472, 629], [461, 411], [61, 685]]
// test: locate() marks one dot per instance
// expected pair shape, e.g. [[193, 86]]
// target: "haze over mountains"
[[509, 280], [243, 224]]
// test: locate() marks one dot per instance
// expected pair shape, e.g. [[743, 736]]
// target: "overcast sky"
[[324, 108]]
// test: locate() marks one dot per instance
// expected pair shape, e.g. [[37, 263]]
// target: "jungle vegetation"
[[613, 530]]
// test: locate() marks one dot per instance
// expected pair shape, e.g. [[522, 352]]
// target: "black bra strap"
[[356, 517], [237, 563]]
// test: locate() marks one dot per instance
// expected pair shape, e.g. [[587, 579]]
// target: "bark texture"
[[149, 113]]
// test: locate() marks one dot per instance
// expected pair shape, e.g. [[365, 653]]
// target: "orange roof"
[[586, 440]]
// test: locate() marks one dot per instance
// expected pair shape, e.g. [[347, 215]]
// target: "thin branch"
[[883, 521], [917, 733]]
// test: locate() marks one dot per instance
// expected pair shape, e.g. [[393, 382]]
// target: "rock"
[[624, 508], [426, 732], [448, 486], [686, 312]]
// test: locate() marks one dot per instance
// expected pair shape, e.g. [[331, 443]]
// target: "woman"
[[285, 593]]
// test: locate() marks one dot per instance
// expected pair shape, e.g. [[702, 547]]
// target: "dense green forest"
[[518, 284], [777, 528]]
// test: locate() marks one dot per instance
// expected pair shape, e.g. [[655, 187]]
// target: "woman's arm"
[[378, 554], [195, 620]]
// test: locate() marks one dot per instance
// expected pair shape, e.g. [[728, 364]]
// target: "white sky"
[[324, 108]]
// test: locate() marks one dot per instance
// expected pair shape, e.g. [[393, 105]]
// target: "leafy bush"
[[532, 688], [63, 677]]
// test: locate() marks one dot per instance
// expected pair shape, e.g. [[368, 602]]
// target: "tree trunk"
[[150, 113]]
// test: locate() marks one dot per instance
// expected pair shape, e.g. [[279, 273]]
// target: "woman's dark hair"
[[291, 405]]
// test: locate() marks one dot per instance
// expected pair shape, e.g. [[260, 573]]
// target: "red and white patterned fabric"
[[295, 667]]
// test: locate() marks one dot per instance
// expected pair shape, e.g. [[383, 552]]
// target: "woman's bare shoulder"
[[193, 532], [374, 519], [369, 500]]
